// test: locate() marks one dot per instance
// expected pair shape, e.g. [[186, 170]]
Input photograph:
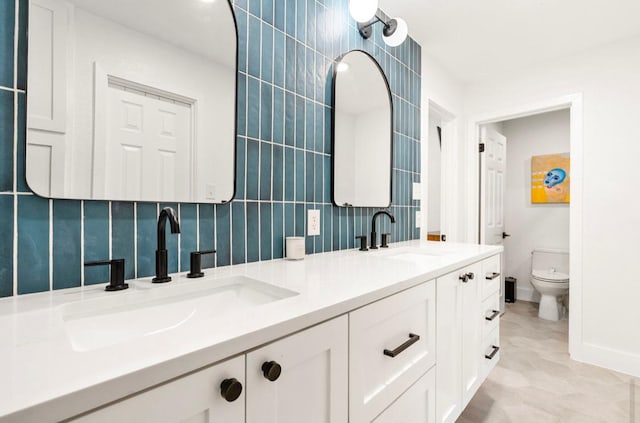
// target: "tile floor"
[[535, 381]]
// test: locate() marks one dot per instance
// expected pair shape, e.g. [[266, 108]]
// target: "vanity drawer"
[[415, 405], [490, 351], [391, 344], [491, 276], [490, 314]]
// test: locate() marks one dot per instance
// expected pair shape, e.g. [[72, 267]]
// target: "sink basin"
[[412, 254], [110, 320]]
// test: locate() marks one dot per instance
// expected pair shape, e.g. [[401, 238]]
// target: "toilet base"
[[550, 308]]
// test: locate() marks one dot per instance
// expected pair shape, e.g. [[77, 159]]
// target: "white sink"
[[412, 254], [127, 315]]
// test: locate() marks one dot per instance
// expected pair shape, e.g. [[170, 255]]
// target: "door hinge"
[[481, 147]]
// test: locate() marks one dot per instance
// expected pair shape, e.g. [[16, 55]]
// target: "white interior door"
[[493, 170], [148, 147]]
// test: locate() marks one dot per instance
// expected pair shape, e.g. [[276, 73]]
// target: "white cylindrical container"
[[295, 247]]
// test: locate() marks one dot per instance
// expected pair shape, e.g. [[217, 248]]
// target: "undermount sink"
[[98, 323], [413, 254]]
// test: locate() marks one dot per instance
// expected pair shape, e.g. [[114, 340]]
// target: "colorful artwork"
[[550, 178]]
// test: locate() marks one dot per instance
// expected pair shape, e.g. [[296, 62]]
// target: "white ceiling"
[[475, 39]]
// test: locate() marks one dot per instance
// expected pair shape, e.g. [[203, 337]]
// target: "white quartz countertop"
[[43, 377]]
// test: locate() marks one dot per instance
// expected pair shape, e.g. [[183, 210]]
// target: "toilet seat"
[[549, 276]]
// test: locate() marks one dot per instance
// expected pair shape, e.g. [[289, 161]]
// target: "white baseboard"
[[527, 294], [618, 361]]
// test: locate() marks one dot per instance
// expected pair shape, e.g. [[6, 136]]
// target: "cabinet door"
[[417, 405], [195, 398], [312, 386], [472, 323], [448, 347]]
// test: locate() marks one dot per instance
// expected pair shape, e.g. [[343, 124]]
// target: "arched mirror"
[[132, 100], [362, 132]]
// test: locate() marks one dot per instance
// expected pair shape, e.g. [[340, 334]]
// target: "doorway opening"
[[551, 128], [440, 186]]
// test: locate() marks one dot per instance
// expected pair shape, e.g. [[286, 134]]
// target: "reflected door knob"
[[230, 389], [271, 370]]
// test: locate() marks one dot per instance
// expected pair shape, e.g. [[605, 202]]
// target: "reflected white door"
[[493, 168], [148, 146]]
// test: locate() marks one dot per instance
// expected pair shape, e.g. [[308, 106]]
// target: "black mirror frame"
[[335, 64]]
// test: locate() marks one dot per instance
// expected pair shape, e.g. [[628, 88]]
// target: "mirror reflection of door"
[[148, 146]]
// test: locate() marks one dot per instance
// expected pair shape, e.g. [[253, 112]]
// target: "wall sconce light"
[[363, 10], [395, 30]]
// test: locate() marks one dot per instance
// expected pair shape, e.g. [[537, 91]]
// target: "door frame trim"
[[573, 102]]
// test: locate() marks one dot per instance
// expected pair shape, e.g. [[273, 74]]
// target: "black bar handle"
[[97, 263], [493, 353], [116, 273], [494, 314], [196, 263], [363, 242], [413, 338], [492, 275]]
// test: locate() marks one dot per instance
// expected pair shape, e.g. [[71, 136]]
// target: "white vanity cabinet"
[[194, 398], [467, 334], [300, 378], [418, 355]]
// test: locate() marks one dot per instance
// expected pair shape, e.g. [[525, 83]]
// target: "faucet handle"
[[116, 271], [196, 263], [385, 240], [363, 242]]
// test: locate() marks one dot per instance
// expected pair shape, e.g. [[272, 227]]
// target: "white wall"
[[442, 92], [606, 331], [532, 225]]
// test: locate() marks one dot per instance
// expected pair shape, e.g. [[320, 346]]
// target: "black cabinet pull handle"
[[492, 275], [271, 370], [494, 314], [230, 389], [470, 275], [464, 278], [493, 353], [413, 338]]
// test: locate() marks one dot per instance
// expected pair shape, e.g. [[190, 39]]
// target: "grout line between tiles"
[[50, 204]]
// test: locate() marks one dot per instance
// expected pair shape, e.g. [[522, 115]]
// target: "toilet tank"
[[547, 258]]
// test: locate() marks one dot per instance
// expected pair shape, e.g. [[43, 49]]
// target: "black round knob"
[[470, 275], [271, 370], [230, 389], [464, 277]]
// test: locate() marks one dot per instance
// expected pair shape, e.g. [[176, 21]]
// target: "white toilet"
[[550, 277]]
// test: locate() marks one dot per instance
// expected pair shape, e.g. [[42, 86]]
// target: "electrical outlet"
[[418, 218], [417, 191], [313, 222]]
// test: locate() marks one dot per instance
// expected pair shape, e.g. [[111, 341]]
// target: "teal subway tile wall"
[[285, 49]]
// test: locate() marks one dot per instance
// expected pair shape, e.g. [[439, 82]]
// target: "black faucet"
[[161, 252], [373, 226]]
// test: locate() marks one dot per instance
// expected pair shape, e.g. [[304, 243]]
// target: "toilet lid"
[[550, 275]]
